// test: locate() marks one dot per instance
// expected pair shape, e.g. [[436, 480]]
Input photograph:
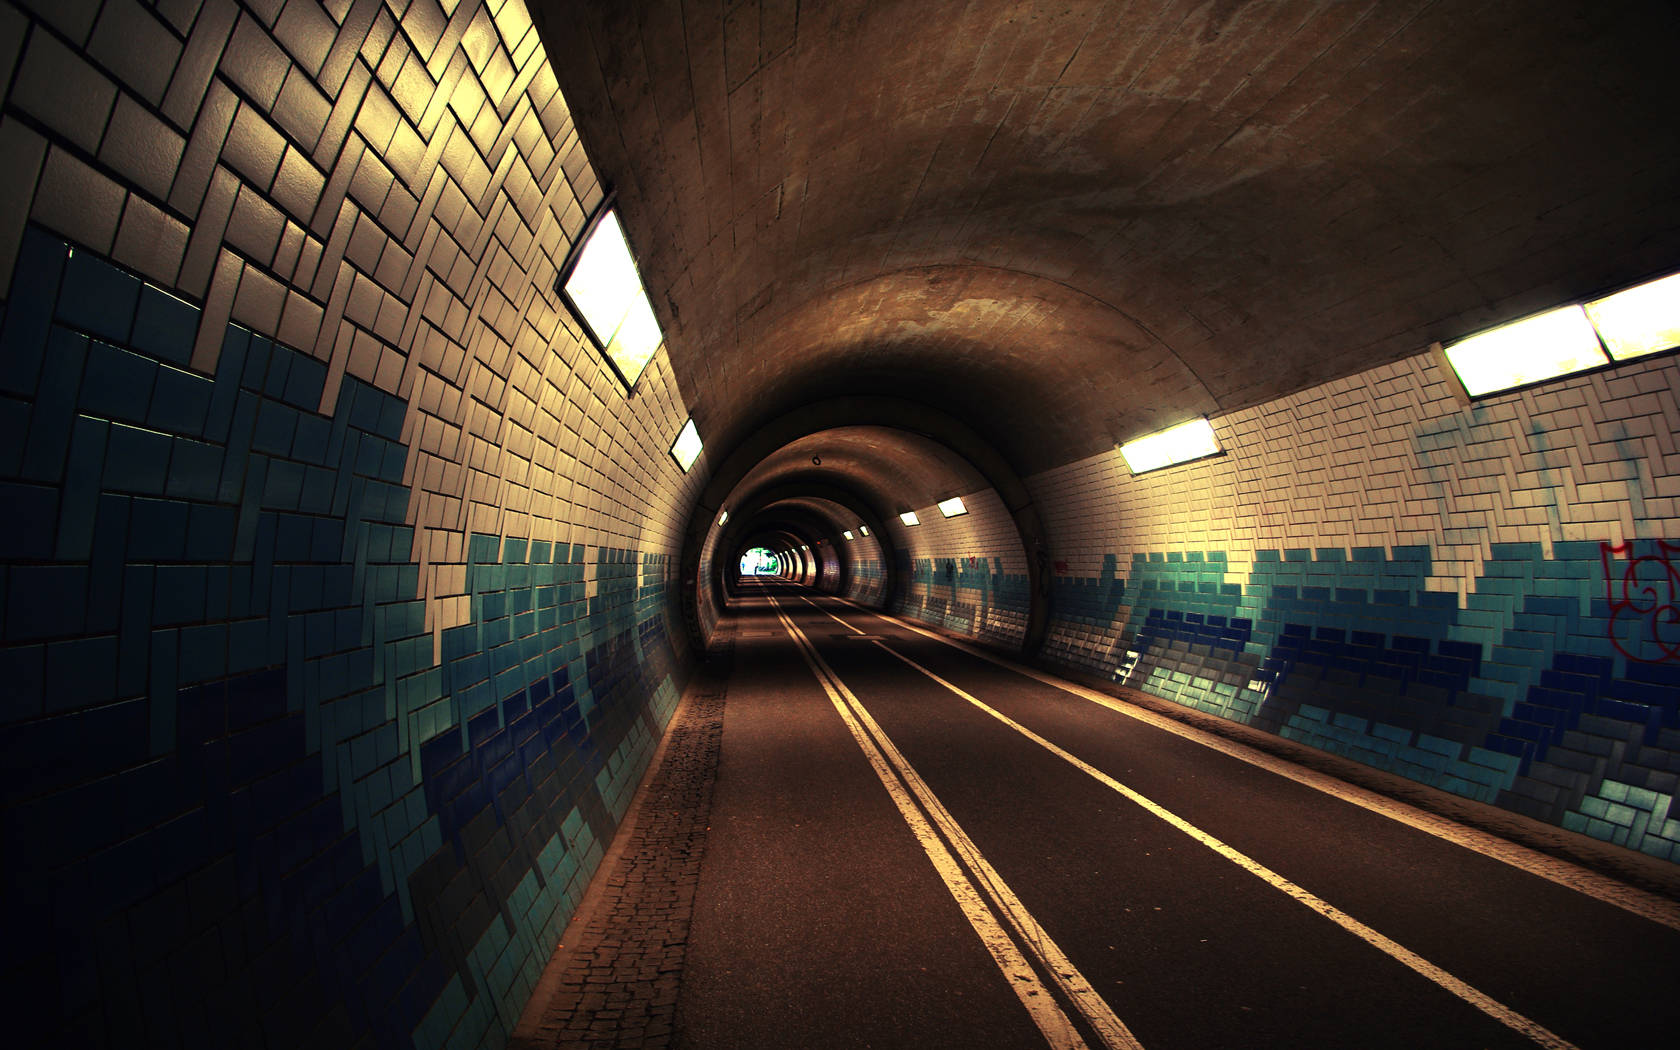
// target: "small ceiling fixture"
[[909, 518], [952, 507]]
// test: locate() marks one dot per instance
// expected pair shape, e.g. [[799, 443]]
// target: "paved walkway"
[[614, 980]]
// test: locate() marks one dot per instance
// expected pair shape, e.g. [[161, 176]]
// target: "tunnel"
[[1093, 523]]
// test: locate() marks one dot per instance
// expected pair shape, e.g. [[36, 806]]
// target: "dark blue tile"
[[157, 530], [80, 502], [210, 532], [23, 336], [81, 672], [31, 520], [23, 668], [195, 470], [45, 601], [117, 384], [203, 652], [54, 409], [14, 431], [178, 595], [165, 327], [180, 402], [136, 460], [98, 298], [305, 382], [256, 363]]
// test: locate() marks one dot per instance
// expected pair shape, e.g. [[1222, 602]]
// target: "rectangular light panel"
[[1179, 444], [863, 530], [687, 447], [909, 518], [1545, 346], [605, 290], [1644, 319], [952, 507], [847, 533], [723, 519]]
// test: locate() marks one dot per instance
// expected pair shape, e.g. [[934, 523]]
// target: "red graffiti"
[[1644, 601]]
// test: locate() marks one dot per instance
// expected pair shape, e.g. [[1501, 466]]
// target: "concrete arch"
[[898, 414], [776, 499]]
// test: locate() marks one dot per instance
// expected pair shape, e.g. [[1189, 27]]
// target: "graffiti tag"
[[1644, 601]]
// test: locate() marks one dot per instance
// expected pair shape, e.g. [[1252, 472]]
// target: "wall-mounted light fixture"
[[686, 449], [600, 283], [1166, 448]]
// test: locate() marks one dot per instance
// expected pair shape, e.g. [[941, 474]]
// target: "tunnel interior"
[[349, 583]]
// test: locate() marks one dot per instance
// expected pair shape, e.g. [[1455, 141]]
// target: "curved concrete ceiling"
[[1072, 222], [893, 469]]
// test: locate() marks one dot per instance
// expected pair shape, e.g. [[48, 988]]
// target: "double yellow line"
[[985, 899], [1388, 946]]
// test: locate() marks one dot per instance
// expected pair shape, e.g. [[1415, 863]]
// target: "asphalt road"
[[1191, 898]]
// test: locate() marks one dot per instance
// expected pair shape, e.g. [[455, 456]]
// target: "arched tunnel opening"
[[1168, 464]]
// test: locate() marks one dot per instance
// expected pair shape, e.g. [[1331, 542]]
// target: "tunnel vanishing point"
[[364, 530]]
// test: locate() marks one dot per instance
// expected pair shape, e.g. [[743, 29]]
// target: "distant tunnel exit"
[[761, 561]]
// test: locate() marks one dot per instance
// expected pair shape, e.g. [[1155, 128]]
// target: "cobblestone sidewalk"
[[621, 973]]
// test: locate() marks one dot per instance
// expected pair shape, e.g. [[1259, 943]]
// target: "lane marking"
[[1487, 1004], [908, 789], [1602, 888]]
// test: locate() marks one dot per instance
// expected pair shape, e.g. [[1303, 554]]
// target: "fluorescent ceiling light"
[[847, 533], [909, 518], [604, 290], [863, 529], [1179, 444], [1555, 343], [952, 507], [687, 447], [722, 518], [1641, 320]]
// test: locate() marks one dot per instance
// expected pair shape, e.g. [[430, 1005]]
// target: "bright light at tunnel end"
[[686, 449], [1166, 448], [952, 507]]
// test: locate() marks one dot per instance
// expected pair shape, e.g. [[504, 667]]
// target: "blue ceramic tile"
[[165, 327], [98, 298], [117, 384]]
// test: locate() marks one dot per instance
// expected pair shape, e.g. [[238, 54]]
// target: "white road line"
[[1485, 1003], [907, 790], [1601, 888]]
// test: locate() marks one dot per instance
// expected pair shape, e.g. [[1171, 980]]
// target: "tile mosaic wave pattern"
[[251, 807], [971, 596], [1552, 690]]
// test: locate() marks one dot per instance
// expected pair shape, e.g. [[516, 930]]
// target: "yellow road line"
[[1601, 888], [1485, 1003], [908, 789]]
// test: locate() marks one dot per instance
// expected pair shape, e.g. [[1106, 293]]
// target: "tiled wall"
[[337, 609], [1475, 597], [967, 574]]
